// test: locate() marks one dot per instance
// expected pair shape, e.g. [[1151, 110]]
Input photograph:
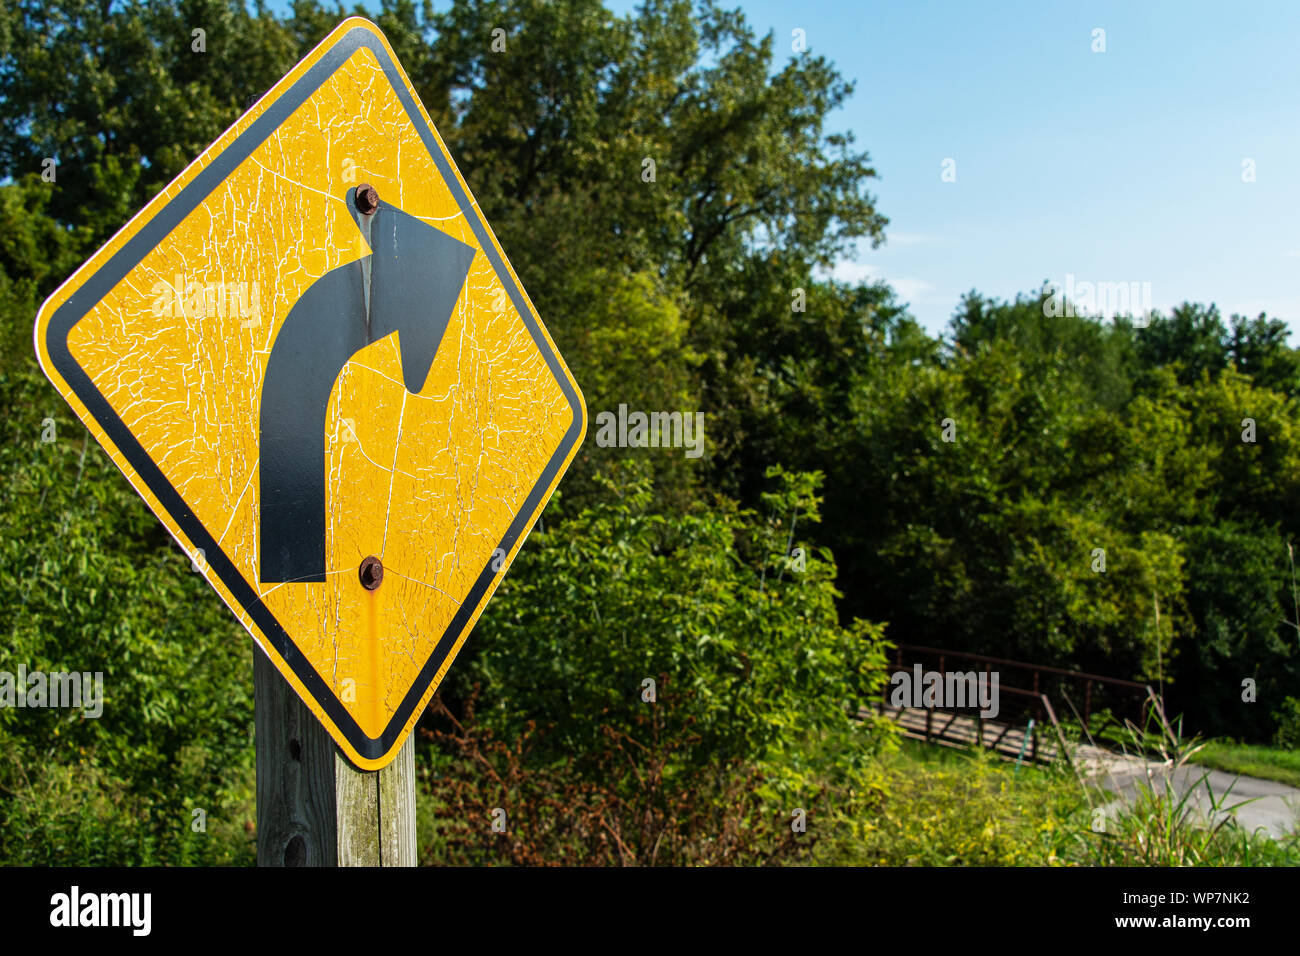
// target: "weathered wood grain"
[[314, 808]]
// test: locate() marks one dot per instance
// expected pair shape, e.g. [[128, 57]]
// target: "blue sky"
[[1122, 166]]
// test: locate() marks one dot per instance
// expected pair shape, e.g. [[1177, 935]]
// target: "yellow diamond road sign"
[[312, 359]]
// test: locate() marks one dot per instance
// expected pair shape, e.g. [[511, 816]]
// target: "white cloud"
[[911, 290], [854, 272], [906, 288], [909, 239]]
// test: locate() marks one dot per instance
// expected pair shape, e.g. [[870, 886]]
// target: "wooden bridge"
[[1031, 697]]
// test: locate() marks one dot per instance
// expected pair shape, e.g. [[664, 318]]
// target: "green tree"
[[1240, 603], [116, 95], [1260, 350], [1192, 340]]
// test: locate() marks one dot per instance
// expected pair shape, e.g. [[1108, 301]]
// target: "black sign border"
[[120, 264]]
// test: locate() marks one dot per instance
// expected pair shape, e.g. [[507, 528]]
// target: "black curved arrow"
[[409, 284]]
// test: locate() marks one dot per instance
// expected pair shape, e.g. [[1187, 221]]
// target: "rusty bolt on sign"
[[371, 573], [367, 199]]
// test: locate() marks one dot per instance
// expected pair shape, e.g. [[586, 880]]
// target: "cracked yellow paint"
[[430, 483]]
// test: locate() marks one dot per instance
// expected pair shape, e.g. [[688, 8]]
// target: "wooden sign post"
[[313, 807]]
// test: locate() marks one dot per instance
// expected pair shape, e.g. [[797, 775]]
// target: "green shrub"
[[1288, 723], [552, 715], [745, 649]]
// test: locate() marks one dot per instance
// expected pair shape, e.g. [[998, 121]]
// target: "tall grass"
[[1161, 826]]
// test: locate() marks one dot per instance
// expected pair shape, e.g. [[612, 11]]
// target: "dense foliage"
[[697, 289]]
